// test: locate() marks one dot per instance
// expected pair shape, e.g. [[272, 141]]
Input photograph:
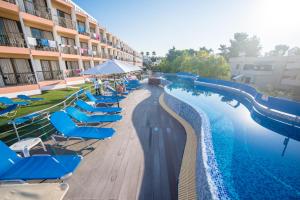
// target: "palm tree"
[[147, 53], [153, 53]]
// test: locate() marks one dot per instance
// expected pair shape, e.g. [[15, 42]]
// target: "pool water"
[[258, 158]]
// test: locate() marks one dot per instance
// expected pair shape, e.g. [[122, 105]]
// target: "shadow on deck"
[[163, 140], [142, 161]]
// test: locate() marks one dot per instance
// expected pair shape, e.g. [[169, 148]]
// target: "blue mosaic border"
[[209, 180]]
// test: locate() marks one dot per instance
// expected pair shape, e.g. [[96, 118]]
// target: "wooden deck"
[[141, 162]]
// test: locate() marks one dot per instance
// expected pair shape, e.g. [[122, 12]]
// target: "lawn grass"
[[51, 97]]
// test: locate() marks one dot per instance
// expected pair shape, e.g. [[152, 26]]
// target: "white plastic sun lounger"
[[42, 191]]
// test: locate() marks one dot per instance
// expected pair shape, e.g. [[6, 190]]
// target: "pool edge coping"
[[187, 175]]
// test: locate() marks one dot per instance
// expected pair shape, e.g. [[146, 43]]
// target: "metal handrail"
[[41, 123]]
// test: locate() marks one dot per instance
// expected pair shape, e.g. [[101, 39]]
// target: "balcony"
[[39, 11], [49, 75], [42, 44], [104, 55], [110, 43], [96, 54], [95, 36], [13, 79], [85, 52], [12, 39], [10, 8], [66, 23], [104, 40], [69, 50]]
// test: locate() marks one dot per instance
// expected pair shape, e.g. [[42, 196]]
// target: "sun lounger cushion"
[[85, 106], [13, 167], [82, 117], [65, 126]]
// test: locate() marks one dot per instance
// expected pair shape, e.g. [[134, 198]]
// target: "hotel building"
[[271, 72], [45, 44]]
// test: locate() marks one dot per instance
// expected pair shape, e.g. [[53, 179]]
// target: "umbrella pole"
[[116, 90]]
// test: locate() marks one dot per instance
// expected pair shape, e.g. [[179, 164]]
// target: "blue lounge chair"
[[117, 93], [27, 98], [84, 118], [88, 108], [9, 109], [100, 101], [26, 118], [67, 128], [13, 167], [7, 101], [106, 97]]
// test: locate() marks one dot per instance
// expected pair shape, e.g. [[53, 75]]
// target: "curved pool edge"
[[187, 180], [284, 117], [209, 182]]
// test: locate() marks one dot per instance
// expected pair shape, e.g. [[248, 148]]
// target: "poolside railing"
[[38, 126], [284, 106]]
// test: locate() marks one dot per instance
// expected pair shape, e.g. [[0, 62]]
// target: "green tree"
[[243, 44], [224, 51], [279, 50], [202, 62]]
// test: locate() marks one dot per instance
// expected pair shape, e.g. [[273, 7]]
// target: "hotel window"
[[72, 65], [84, 49], [16, 72], [38, 8], [92, 30], [68, 45], [42, 40], [41, 34], [65, 19], [50, 70], [67, 41], [10, 34], [81, 27], [72, 69], [86, 64]]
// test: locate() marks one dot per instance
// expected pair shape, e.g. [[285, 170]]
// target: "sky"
[[158, 25]]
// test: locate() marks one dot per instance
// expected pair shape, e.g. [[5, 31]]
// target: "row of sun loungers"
[[14, 167], [42, 167]]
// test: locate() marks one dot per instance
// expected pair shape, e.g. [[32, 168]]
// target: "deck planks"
[[142, 161]]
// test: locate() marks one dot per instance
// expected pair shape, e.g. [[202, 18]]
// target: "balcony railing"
[[95, 36], [44, 45], [72, 72], [11, 79], [10, 1], [40, 11], [12, 40], [85, 52], [69, 50], [67, 23], [96, 54], [104, 55], [49, 75]]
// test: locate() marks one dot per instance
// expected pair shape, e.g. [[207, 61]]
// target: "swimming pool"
[[257, 157]]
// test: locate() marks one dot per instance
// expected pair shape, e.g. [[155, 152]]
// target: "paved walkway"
[[141, 162]]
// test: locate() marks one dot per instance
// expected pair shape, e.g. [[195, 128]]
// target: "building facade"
[[281, 72], [45, 44]]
